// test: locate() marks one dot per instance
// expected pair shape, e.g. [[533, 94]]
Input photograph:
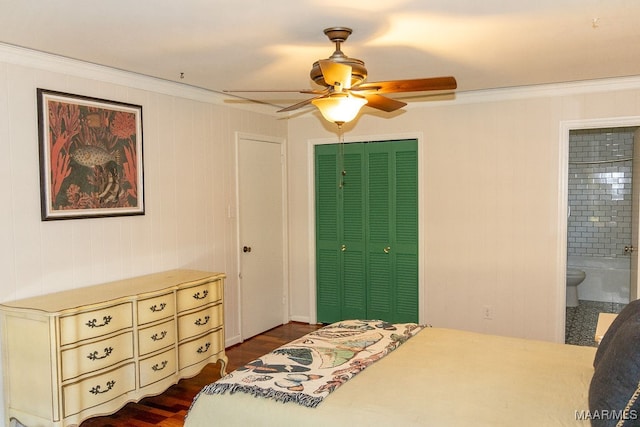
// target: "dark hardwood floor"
[[169, 408]]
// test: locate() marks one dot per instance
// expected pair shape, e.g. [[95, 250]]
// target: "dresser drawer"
[[200, 295], [94, 356], [197, 350], [156, 337], [158, 367], [98, 389], [199, 322], [155, 308], [91, 324]]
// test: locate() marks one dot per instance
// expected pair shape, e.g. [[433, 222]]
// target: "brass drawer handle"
[[160, 366], [157, 309], [160, 336], [97, 389], [199, 322], [203, 296], [204, 348], [94, 355], [93, 323]]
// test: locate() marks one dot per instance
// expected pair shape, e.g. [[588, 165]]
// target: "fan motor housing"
[[358, 71]]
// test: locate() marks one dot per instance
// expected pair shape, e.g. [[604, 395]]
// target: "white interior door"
[[262, 235]]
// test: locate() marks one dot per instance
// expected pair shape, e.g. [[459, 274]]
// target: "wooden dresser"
[[76, 354]]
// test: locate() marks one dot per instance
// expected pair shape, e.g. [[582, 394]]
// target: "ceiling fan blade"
[[336, 74], [383, 103], [299, 104], [413, 85], [311, 91]]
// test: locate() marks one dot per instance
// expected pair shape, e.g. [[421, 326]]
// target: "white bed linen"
[[441, 377]]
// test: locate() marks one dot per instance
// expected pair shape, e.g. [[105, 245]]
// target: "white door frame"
[[285, 239], [563, 203], [311, 207]]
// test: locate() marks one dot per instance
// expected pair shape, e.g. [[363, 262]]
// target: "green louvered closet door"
[[367, 231]]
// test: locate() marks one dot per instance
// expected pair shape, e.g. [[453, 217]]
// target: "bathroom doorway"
[[600, 226]]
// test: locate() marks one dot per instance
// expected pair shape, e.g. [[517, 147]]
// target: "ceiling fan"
[[344, 86]]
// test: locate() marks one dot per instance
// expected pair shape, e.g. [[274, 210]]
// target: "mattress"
[[440, 377]]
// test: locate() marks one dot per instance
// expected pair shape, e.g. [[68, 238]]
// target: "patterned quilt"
[[308, 369]]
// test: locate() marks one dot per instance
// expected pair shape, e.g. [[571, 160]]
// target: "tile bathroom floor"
[[581, 321]]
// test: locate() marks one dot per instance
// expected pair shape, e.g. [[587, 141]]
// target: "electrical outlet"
[[487, 312]]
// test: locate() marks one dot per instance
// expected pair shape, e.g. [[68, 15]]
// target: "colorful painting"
[[90, 157]]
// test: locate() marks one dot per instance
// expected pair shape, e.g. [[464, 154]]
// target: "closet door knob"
[[343, 248], [387, 249], [246, 249]]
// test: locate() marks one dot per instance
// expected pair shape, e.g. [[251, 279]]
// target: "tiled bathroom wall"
[[599, 221], [600, 191]]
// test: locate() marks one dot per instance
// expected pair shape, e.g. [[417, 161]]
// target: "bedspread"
[[440, 377]]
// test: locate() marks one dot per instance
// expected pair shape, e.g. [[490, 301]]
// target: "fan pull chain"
[[341, 165]]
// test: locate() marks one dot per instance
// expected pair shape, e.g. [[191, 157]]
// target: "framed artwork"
[[90, 157]]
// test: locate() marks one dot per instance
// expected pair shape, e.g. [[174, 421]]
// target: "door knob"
[[629, 249], [387, 249], [246, 249]]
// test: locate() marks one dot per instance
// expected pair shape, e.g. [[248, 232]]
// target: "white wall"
[[189, 174], [493, 193]]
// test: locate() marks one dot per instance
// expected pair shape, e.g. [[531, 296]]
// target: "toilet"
[[574, 278]]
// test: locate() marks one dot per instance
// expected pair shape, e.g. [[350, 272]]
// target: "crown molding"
[[55, 63], [72, 67], [534, 91]]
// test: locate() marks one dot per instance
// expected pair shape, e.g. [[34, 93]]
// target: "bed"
[[427, 377]]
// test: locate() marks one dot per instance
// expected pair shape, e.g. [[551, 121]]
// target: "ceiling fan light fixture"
[[340, 107], [345, 90]]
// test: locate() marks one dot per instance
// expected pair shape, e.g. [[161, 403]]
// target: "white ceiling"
[[261, 44]]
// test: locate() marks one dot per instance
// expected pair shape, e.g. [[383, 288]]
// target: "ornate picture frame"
[[91, 162]]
